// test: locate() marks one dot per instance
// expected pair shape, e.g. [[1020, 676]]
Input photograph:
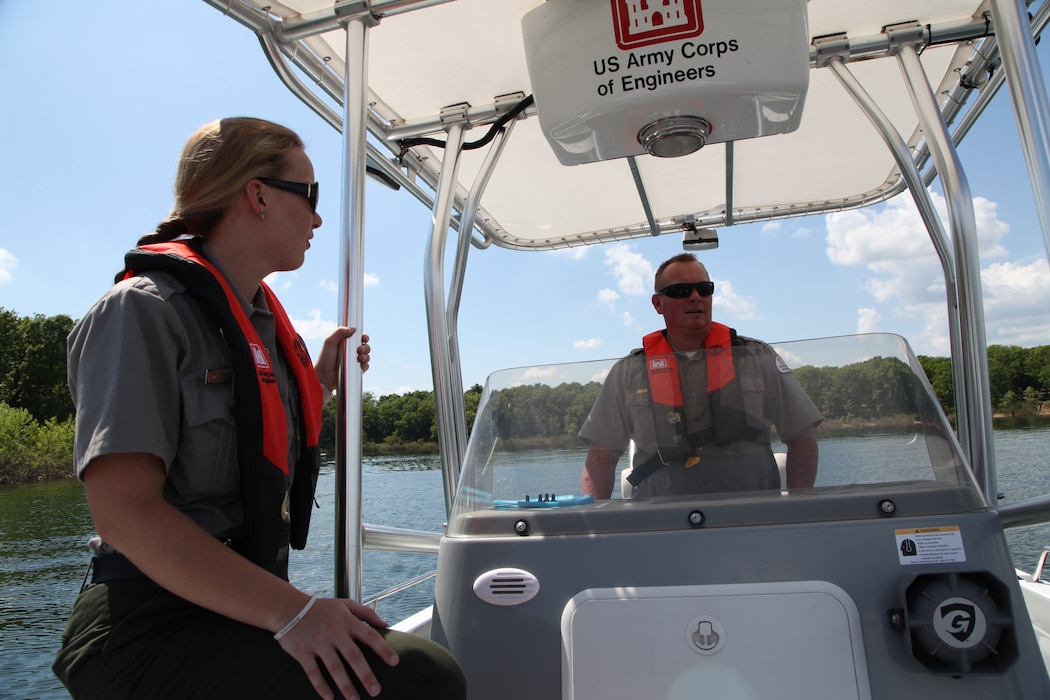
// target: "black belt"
[[113, 567], [644, 471]]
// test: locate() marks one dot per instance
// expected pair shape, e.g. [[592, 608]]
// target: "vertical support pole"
[[348, 536], [643, 196], [437, 323], [466, 228], [976, 411], [917, 187], [1013, 32], [730, 175]]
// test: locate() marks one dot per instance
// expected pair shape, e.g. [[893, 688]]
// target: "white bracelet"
[[328, 393], [297, 619]]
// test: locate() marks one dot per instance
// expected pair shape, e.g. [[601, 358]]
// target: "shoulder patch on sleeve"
[[781, 365]]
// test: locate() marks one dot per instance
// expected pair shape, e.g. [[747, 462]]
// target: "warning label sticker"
[[930, 545]]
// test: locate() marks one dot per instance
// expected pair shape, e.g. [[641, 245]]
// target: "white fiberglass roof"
[[471, 51]]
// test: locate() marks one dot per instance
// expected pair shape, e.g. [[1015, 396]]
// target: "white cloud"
[[634, 274], [792, 359], [728, 304], [1024, 286], [906, 276], [369, 280], [316, 328], [399, 390], [868, 320], [576, 253], [588, 344], [1016, 296], [278, 281], [607, 296], [536, 375], [775, 228], [539, 372], [8, 262], [883, 237], [627, 318]]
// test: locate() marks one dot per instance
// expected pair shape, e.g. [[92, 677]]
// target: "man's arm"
[[802, 459], [599, 471]]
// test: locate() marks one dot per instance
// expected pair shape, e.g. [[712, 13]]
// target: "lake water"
[[43, 528]]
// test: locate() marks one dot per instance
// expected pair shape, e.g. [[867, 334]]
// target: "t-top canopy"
[[427, 56]]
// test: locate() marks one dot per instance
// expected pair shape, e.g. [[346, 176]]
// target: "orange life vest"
[[729, 421], [663, 366], [277, 500]]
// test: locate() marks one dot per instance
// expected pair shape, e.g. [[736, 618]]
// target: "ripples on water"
[[42, 560], [43, 528], [1023, 466], [399, 491]]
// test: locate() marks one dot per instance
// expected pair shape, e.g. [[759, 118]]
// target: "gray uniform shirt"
[[624, 411], [149, 372]]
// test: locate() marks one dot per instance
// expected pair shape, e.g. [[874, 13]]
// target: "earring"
[[262, 213]]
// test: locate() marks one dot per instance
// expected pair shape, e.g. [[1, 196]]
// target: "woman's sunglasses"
[[306, 189]]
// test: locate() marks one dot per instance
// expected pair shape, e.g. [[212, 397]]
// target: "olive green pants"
[[131, 639]]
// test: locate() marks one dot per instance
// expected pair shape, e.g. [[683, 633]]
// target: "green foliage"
[[36, 427], [396, 422], [542, 411], [863, 391], [30, 450], [11, 347], [410, 417], [1037, 368], [939, 371], [1018, 379], [471, 400], [33, 364], [370, 418], [1006, 373]]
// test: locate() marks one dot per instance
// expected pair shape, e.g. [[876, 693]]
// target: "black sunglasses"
[[684, 290], [306, 189]]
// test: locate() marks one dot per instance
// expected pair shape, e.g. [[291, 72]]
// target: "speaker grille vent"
[[506, 586]]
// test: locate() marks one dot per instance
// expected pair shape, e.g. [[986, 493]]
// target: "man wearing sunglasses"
[[698, 401]]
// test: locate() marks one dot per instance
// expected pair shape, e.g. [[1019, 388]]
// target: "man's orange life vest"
[[729, 422]]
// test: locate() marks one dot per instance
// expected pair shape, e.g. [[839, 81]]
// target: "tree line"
[[36, 411]]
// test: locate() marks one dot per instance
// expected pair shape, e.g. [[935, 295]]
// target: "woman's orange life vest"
[[277, 500]]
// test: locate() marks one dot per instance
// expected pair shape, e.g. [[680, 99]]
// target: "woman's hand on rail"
[[328, 361]]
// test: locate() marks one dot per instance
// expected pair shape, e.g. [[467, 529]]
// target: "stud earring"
[[262, 213]]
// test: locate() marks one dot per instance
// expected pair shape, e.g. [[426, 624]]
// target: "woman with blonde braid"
[[198, 414]]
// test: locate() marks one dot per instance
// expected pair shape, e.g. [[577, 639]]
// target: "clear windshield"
[[828, 418]]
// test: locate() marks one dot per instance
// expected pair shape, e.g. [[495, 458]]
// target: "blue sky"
[[98, 102]]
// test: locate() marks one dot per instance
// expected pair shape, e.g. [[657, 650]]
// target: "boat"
[[531, 125]]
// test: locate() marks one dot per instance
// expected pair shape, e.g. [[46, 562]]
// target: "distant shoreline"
[[829, 429]]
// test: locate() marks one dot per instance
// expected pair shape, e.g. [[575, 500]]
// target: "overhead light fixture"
[[694, 238], [671, 137]]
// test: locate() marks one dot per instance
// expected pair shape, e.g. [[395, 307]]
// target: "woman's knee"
[[425, 669]]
